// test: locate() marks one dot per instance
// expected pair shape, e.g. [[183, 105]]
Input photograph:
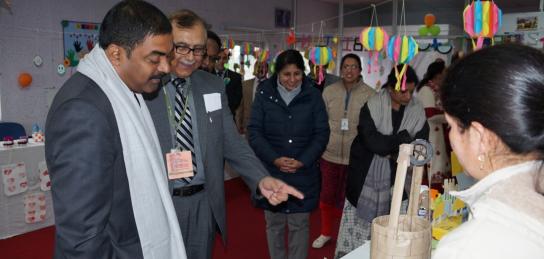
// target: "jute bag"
[[398, 236]]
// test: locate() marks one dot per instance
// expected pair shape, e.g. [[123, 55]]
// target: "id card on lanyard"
[[179, 163], [344, 122]]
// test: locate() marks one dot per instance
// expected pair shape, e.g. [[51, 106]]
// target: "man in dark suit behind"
[[231, 79], [97, 214], [193, 107]]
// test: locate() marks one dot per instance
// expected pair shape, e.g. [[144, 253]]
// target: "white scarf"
[[154, 213]]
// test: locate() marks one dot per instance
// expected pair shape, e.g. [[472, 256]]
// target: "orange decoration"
[[430, 19], [67, 62], [25, 79]]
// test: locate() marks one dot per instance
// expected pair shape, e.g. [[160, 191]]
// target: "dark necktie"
[[184, 130]]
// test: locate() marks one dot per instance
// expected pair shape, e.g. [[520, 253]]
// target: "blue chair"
[[12, 129]]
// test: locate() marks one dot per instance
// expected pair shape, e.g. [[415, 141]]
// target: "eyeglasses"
[[184, 50]]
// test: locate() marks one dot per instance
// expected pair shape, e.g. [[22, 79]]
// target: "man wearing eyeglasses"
[[216, 65], [197, 134]]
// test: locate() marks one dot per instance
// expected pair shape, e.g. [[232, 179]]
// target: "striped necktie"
[[184, 130]]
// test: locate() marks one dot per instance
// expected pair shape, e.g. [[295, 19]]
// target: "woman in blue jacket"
[[289, 131]]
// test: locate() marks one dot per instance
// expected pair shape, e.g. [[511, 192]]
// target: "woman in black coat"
[[289, 131]]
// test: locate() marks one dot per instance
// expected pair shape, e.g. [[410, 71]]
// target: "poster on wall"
[[527, 23], [79, 39]]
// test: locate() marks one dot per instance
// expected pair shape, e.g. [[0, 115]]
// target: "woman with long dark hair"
[[494, 102]]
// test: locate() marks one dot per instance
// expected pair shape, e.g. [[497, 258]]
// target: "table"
[[13, 214], [362, 252]]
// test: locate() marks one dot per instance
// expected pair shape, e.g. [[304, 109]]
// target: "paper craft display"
[[35, 208], [14, 179], [45, 181]]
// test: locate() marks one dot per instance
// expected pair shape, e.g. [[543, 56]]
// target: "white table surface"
[[12, 214], [363, 252]]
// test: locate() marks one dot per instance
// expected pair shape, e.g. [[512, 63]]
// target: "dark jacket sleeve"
[[255, 129], [320, 133], [375, 141], [234, 91], [81, 163]]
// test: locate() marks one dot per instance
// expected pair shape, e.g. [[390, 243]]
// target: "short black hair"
[[213, 36], [411, 76], [129, 22], [433, 70], [502, 88], [289, 57]]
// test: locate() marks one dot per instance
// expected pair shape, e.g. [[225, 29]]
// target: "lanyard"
[[346, 102], [171, 114]]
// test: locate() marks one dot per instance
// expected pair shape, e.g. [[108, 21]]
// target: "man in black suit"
[[216, 65], [232, 80], [109, 187]]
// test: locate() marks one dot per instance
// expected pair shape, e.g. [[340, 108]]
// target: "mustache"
[[159, 76]]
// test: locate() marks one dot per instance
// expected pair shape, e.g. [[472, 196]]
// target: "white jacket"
[[507, 218]]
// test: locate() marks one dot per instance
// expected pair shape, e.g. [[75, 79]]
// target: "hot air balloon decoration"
[[482, 19], [320, 56], [401, 50], [374, 39]]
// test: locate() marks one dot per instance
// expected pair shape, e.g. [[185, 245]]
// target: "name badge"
[[344, 125], [179, 164]]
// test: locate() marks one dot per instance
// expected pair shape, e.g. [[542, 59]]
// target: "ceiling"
[[506, 5]]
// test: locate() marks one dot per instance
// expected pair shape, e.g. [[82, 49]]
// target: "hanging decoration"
[[246, 51], [374, 39], [401, 50], [291, 38], [263, 56], [24, 79], [231, 43], [482, 19], [320, 55], [430, 27]]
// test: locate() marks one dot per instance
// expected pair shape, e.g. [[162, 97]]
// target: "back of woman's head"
[[289, 57], [411, 76], [502, 88], [433, 70]]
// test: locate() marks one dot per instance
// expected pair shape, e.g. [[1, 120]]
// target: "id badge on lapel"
[[179, 164]]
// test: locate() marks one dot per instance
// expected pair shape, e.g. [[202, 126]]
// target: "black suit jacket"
[[233, 90], [91, 197]]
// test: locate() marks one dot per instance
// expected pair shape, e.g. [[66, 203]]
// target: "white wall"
[[34, 28]]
